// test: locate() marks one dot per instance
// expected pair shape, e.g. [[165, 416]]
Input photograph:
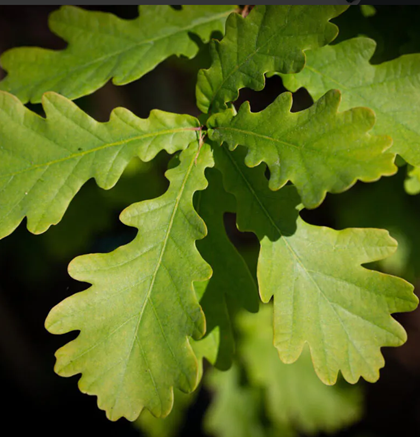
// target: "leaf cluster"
[[159, 305]]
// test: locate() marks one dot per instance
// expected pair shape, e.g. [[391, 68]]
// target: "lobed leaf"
[[136, 317], [270, 39], [318, 149], [102, 46], [322, 294], [44, 162], [391, 89]]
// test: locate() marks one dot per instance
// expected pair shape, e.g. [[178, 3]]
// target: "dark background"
[[33, 275]]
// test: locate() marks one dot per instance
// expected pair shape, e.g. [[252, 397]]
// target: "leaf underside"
[[269, 39], [102, 46], [318, 149], [322, 295], [44, 162], [136, 317], [391, 89]]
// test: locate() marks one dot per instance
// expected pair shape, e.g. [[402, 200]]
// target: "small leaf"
[[391, 89], [231, 277], [412, 183], [318, 149], [102, 46], [44, 162], [322, 295], [295, 399], [136, 317], [270, 39]]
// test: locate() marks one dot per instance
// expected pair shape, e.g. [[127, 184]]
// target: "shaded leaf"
[[322, 295], [44, 162], [136, 317], [318, 149], [102, 46], [234, 409], [270, 39], [391, 89], [295, 399], [231, 277]]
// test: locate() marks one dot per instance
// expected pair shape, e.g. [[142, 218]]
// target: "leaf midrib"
[[97, 149], [117, 53], [149, 291]]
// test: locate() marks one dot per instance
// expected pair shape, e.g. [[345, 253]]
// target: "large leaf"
[[231, 277], [295, 399], [318, 149], [391, 89], [136, 317], [270, 39], [322, 295], [44, 162], [102, 46]]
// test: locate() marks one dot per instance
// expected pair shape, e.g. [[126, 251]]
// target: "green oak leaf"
[[136, 317], [231, 277], [295, 398], [318, 149], [124, 50], [234, 411], [270, 39], [391, 89], [322, 294], [45, 161]]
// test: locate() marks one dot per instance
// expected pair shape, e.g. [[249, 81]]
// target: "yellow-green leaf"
[[322, 294], [318, 149], [45, 161], [135, 319]]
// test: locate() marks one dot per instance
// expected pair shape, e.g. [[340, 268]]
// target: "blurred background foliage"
[[258, 396]]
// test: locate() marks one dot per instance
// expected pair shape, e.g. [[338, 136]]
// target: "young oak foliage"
[[136, 317], [102, 46], [318, 149], [391, 89], [141, 321], [322, 295], [269, 39], [45, 161]]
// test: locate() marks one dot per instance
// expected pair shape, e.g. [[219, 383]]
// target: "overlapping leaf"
[[231, 278], [322, 295], [44, 162], [295, 399], [318, 149], [102, 46], [391, 89], [269, 39], [136, 317]]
